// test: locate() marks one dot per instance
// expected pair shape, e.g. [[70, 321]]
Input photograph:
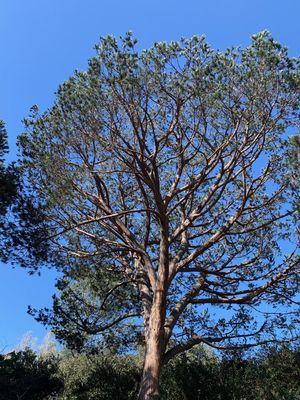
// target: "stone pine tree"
[[170, 163]]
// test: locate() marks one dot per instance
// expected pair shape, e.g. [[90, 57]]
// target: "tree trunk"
[[155, 335], [155, 349]]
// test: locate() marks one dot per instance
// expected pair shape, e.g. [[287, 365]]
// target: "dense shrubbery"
[[27, 376], [273, 375], [197, 375], [99, 378]]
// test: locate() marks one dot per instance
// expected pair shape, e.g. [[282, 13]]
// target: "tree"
[[94, 377], [8, 178], [21, 216], [24, 375], [170, 163], [8, 184]]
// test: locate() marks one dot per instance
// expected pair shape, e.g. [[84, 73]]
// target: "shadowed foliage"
[[26, 376], [196, 375]]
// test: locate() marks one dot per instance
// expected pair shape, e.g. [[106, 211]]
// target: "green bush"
[[99, 378]]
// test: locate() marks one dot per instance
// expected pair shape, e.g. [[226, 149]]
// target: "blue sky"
[[43, 41]]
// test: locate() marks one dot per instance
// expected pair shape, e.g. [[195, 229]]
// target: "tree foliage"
[[99, 378], [21, 215], [293, 160], [88, 303], [25, 375], [8, 184]]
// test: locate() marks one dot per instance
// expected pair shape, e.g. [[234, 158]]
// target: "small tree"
[[24, 375], [8, 186], [21, 220], [169, 163]]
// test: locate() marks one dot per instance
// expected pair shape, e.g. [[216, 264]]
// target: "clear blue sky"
[[43, 41]]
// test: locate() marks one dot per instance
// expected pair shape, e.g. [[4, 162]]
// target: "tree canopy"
[[165, 169]]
